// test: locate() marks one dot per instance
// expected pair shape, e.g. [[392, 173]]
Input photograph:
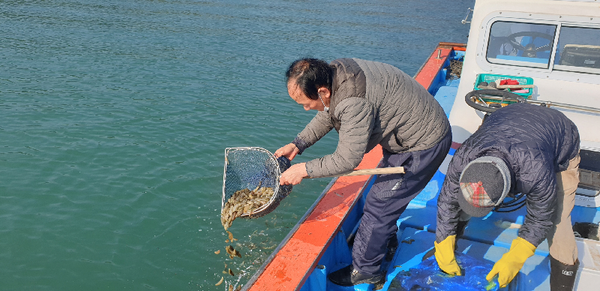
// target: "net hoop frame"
[[274, 198]]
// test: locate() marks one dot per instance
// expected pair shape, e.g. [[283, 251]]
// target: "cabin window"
[[521, 44], [578, 50]]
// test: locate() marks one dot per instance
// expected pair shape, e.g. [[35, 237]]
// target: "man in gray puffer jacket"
[[520, 149], [368, 103]]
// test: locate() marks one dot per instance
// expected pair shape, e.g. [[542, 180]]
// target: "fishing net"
[[253, 170]]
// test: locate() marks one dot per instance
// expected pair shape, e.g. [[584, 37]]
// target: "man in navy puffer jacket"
[[519, 149]]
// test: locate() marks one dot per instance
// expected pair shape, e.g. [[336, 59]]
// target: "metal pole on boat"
[[565, 105], [551, 104]]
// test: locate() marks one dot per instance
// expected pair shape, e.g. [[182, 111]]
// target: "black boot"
[[562, 277], [460, 228], [392, 247], [348, 276]]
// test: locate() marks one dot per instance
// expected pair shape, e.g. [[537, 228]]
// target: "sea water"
[[114, 118]]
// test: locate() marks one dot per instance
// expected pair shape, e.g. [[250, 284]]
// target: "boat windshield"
[[531, 45], [521, 44], [578, 50]]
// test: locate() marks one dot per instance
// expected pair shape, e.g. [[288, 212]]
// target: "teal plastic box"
[[489, 78]]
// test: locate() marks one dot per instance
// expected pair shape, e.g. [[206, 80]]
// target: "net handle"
[[376, 171]]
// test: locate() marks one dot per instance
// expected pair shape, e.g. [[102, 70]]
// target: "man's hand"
[[509, 265], [289, 151], [293, 175], [444, 255]]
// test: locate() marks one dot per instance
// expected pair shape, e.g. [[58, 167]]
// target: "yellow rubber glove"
[[444, 255], [509, 265]]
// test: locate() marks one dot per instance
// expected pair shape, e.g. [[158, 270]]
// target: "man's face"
[[301, 98]]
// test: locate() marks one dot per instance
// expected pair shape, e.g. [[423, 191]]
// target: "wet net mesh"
[[252, 167]]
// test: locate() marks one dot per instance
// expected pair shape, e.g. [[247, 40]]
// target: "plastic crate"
[[489, 78]]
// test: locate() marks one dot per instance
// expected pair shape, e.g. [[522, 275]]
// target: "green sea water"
[[114, 118]]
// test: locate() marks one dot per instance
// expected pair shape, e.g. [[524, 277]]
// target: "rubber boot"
[[460, 228], [562, 277], [349, 276], [392, 247]]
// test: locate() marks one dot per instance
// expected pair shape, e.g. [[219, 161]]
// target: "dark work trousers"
[[388, 198]]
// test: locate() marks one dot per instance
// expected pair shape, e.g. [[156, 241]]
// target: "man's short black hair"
[[310, 75]]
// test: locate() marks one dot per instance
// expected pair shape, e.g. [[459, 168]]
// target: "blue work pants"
[[387, 200]]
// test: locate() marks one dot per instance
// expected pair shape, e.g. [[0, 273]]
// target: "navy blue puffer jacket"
[[536, 143]]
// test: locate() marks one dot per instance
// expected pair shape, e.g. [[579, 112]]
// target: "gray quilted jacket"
[[536, 143], [372, 103]]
